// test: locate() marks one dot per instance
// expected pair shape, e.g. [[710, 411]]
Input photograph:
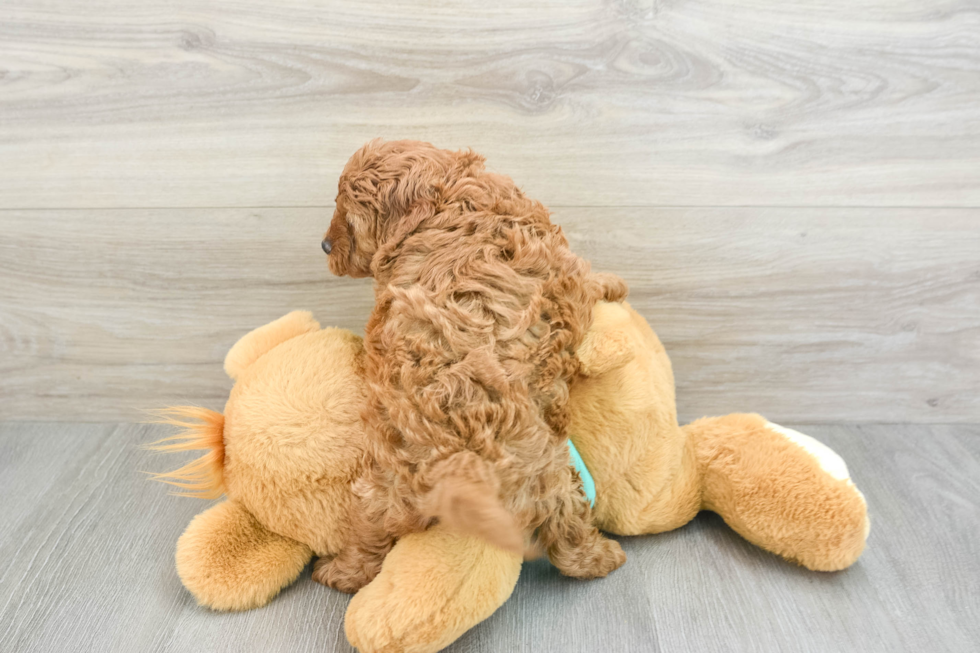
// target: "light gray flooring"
[[86, 563]]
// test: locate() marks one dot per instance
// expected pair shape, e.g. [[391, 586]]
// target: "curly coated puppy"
[[480, 305]]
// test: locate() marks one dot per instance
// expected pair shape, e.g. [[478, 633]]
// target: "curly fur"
[[480, 305]]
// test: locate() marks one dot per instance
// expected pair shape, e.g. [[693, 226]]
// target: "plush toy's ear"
[[607, 345], [248, 350], [602, 352]]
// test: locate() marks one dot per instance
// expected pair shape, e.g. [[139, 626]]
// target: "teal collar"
[[587, 483]]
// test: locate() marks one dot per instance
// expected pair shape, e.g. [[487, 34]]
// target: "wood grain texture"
[[813, 315], [213, 103], [86, 563]]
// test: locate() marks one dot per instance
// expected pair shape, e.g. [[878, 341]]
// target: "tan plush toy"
[[287, 448]]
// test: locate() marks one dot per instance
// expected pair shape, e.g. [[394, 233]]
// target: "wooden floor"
[[86, 563]]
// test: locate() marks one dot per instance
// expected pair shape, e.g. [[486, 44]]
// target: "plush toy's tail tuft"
[[203, 429]]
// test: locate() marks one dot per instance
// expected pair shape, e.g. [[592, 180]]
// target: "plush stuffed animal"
[[287, 450]]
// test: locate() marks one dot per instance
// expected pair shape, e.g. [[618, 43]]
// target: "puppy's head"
[[382, 185]]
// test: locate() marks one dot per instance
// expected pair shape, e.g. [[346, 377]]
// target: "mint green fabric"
[[587, 483]]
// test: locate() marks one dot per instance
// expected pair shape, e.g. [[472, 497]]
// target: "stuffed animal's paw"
[[433, 587], [229, 561]]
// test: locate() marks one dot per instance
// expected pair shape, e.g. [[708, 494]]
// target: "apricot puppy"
[[480, 305]]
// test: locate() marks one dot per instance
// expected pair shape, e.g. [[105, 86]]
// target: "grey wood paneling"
[[814, 315], [610, 112], [86, 563], [210, 103]]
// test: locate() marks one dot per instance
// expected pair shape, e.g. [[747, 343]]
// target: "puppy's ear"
[[469, 162]]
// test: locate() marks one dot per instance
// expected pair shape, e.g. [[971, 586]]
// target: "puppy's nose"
[[326, 245]]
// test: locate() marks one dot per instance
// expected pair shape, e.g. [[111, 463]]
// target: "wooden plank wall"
[[792, 190]]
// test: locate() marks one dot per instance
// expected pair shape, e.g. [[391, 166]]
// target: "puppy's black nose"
[[326, 245]]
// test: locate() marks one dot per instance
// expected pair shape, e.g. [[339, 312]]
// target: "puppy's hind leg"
[[359, 561], [574, 545]]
